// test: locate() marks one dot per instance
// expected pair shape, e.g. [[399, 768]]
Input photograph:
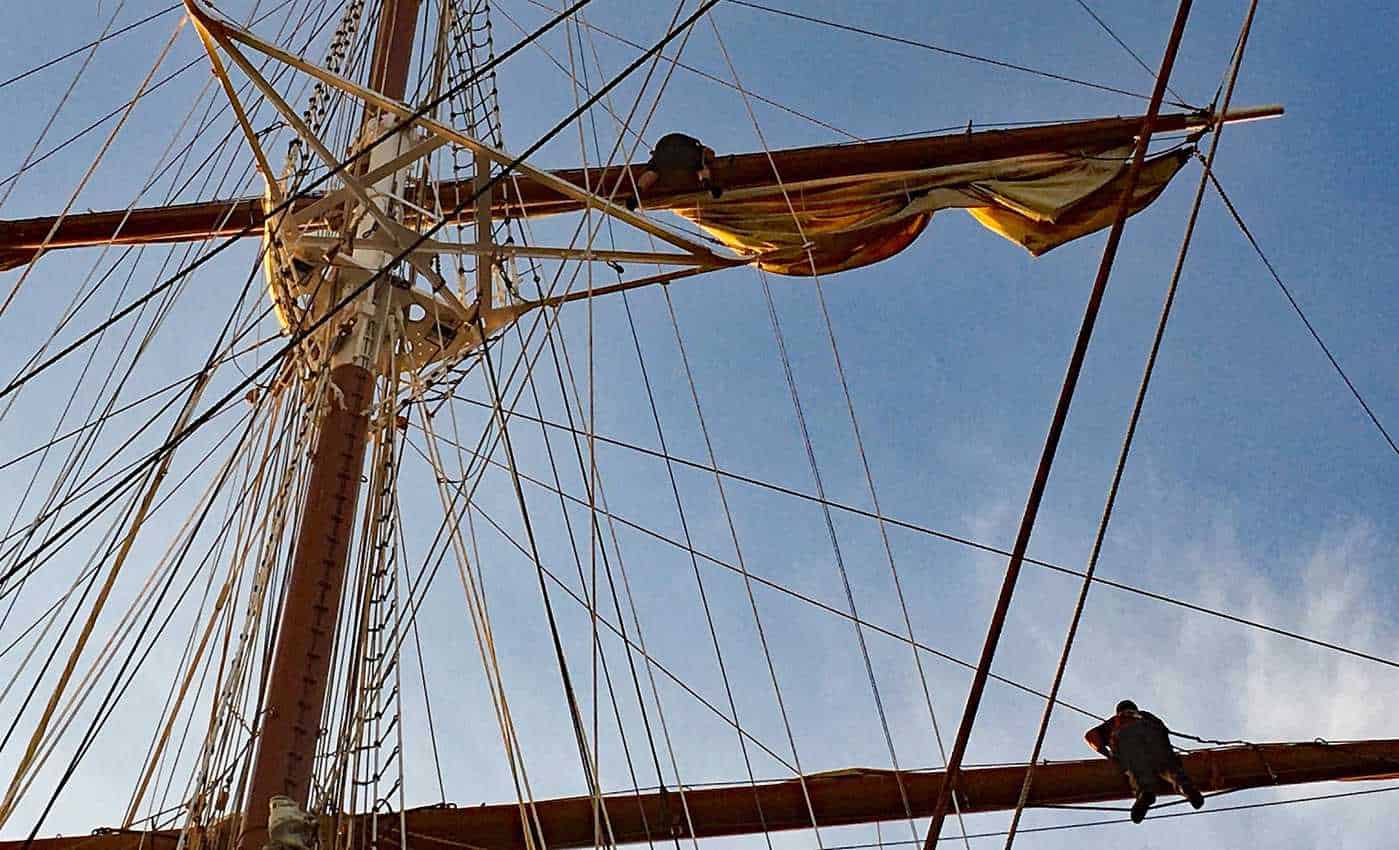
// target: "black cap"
[[1126, 705]]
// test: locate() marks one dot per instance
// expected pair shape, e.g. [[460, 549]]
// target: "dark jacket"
[[1103, 738]]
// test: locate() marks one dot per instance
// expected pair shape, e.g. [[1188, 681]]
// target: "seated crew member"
[[1141, 744], [680, 157]]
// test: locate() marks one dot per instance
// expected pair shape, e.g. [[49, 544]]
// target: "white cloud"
[[1289, 689]]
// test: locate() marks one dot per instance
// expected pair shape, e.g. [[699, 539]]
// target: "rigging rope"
[[703, 594], [250, 501], [130, 103], [704, 74], [349, 297], [580, 734], [1110, 821], [1056, 428], [944, 50], [596, 492], [80, 452], [781, 588], [87, 175], [811, 453], [181, 160], [1130, 52], [473, 587], [498, 396], [666, 671], [743, 568], [292, 198], [68, 92], [118, 688], [156, 474], [1311, 329], [99, 40], [624, 126], [1132, 422], [973, 544]]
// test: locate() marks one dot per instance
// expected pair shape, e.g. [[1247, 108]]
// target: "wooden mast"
[[296, 688]]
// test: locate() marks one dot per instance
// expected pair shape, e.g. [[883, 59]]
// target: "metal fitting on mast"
[[289, 827]]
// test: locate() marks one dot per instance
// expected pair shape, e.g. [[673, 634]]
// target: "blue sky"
[[1257, 485]]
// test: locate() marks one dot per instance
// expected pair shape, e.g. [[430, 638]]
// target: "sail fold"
[[1038, 201]]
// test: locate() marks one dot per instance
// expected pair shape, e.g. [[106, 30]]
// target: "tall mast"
[[296, 689]]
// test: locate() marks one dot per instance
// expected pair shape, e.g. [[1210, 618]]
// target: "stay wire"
[[684, 26], [666, 671], [800, 416], [129, 104], [502, 427], [961, 54], [1130, 52], [90, 574], [349, 298], [118, 688], [51, 512], [565, 357], [738, 551], [624, 125], [571, 36], [982, 547], [68, 92], [117, 111], [117, 411], [330, 173], [80, 48], [743, 571], [1111, 821], [579, 730], [588, 473], [1055, 431], [712, 77], [666, 813], [1297, 308], [422, 670], [1138, 403], [99, 122], [89, 486], [152, 476], [180, 159], [524, 359], [666, 816], [161, 313], [781, 588]]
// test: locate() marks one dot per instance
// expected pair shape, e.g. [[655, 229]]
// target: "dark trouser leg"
[[1146, 795], [1180, 780]]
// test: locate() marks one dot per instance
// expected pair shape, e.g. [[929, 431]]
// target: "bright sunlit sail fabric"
[[825, 226]]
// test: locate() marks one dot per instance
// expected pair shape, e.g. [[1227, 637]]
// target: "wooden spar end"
[[1253, 113]]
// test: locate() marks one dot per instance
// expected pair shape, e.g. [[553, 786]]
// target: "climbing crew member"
[[677, 157], [1141, 744]]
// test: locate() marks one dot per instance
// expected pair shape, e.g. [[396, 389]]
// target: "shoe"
[[1195, 797], [1139, 808]]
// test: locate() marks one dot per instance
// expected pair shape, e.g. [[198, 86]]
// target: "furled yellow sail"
[[818, 226]]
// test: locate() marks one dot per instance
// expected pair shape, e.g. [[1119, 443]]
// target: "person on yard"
[[680, 157], [1141, 744]]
